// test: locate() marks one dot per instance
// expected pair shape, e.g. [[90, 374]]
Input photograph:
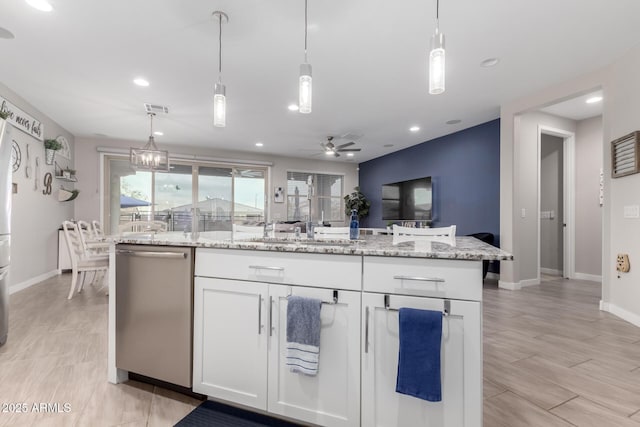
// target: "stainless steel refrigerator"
[[5, 227]]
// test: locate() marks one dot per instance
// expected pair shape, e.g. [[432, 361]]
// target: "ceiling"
[[76, 64]]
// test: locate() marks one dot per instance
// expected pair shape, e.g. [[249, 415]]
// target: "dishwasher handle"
[[151, 254]]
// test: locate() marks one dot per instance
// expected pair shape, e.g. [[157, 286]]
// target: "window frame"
[[316, 198], [105, 183]]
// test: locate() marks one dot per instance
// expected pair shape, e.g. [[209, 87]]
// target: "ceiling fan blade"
[[345, 145], [345, 150]]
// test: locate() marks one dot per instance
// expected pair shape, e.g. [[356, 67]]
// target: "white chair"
[[81, 260], [438, 234], [247, 231], [97, 229], [92, 243], [142, 227], [331, 232]]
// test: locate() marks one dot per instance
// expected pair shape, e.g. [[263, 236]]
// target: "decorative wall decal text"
[[21, 120]]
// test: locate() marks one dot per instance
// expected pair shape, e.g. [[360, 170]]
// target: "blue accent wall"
[[465, 172]]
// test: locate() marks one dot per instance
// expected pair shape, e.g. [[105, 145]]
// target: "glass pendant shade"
[[219, 106], [436, 64], [305, 89]]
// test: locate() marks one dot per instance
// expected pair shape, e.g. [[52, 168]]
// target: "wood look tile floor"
[[551, 358], [57, 354]]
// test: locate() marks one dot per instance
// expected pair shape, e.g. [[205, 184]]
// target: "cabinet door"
[[332, 397], [230, 340], [461, 364]]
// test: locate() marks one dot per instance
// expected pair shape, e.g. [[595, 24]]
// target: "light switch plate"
[[632, 211], [523, 213]]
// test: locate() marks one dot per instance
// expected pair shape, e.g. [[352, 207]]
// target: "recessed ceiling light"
[[141, 81], [293, 107], [388, 145], [159, 133], [453, 122], [594, 99], [490, 62], [6, 34], [42, 5], [414, 128], [349, 154], [259, 144]]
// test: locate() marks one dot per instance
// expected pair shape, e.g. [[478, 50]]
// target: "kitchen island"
[[240, 298]]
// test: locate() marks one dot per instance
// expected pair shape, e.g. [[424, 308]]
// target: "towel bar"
[[332, 302], [445, 312]]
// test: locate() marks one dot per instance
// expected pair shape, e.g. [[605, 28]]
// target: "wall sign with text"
[[21, 120]]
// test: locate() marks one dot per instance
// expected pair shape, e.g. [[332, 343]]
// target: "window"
[[192, 194], [326, 197]]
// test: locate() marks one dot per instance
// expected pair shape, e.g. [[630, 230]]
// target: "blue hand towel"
[[419, 355], [303, 334]]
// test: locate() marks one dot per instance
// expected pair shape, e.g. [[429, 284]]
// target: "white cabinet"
[[331, 398], [230, 340], [461, 358], [240, 344]]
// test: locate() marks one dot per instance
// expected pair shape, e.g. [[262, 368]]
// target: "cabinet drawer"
[[439, 278], [319, 270]]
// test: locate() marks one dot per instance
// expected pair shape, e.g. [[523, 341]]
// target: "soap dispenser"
[[354, 226]]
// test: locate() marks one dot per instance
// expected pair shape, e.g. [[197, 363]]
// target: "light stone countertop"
[[466, 248]]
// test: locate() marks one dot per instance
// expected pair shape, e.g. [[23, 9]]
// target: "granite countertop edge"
[[466, 248]]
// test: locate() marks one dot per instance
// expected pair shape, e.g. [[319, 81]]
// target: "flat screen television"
[[407, 200]]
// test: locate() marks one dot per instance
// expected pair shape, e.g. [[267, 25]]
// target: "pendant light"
[[149, 158], [436, 58], [219, 93], [304, 102]]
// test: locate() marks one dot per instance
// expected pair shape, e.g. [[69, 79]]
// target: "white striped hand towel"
[[303, 334]]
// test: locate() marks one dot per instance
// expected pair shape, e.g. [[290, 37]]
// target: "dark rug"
[[216, 414]]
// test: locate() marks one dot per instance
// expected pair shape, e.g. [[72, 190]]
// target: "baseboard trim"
[[509, 285], [620, 312], [590, 277], [517, 285], [551, 271], [34, 280], [529, 282]]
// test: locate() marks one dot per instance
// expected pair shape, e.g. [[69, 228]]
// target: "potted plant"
[[50, 148], [357, 201]]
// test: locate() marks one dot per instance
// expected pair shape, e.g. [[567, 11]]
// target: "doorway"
[[556, 202]]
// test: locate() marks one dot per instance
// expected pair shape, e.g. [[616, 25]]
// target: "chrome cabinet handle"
[[421, 279], [260, 300], [149, 254], [270, 316], [366, 330], [264, 267]]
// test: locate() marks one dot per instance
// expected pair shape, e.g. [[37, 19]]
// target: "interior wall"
[[87, 206], [621, 293], [35, 217], [551, 203], [464, 167], [621, 109], [589, 145]]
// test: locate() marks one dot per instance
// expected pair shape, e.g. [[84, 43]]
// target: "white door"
[[461, 364], [332, 397], [230, 340]]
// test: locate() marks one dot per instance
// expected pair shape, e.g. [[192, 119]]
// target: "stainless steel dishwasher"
[[154, 311]]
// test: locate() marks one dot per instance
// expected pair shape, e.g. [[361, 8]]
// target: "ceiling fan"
[[330, 149]]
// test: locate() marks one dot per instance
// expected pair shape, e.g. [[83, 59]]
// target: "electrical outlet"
[[622, 263]]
